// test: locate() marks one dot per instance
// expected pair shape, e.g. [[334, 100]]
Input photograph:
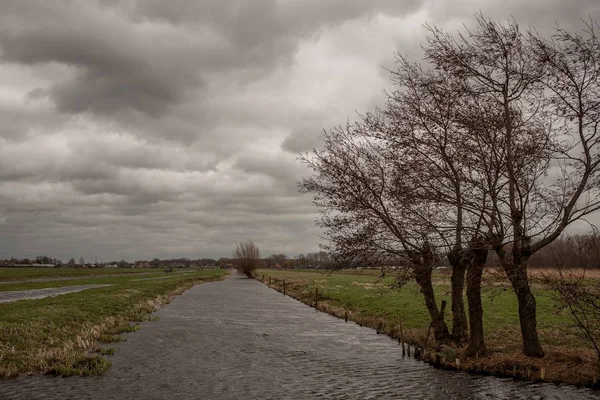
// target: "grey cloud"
[[36, 94], [119, 68], [115, 68], [281, 168], [302, 140]]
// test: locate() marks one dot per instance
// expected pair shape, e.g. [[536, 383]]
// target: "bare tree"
[[369, 209], [547, 93], [432, 111], [274, 259], [496, 147], [247, 257]]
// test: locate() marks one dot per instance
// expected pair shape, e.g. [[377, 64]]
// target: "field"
[[370, 301], [62, 335], [10, 273]]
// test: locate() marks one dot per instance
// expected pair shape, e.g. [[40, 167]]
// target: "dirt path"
[[238, 339]]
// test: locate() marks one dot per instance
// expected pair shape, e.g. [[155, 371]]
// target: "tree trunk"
[[517, 275], [476, 338], [459, 317], [440, 329]]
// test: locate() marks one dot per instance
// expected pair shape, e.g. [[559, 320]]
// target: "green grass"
[[81, 365], [369, 297], [92, 280], [54, 334], [10, 273]]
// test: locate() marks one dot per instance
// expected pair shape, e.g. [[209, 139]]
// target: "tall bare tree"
[[547, 93], [496, 147], [428, 109], [369, 210]]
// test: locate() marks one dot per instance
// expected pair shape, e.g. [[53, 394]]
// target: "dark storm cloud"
[[121, 63], [142, 128], [114, 67]]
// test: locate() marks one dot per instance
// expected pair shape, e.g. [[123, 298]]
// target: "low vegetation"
[[376, 301], [56, 335]]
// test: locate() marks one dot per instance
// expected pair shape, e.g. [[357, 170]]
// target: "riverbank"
[[369, 300], [63, 335]]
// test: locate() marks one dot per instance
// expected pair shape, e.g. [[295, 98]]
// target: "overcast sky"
[[164, 128]]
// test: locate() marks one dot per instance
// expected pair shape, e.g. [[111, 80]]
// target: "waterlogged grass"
[[92, 280], [81, 365], [371, 301], [10, 273], [56, 334], [107, 351]]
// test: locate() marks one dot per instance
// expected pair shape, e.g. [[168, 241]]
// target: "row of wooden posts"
[[405, 348], [417, 351]]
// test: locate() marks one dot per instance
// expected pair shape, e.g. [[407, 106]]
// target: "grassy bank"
[[60, 335], [370, 301]]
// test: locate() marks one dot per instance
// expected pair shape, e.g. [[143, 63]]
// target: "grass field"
[[60, 335], [11, 273], [7, 286], [372, 302]]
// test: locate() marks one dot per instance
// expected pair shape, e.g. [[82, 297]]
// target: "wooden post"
[[514, 370], [458, 363], [543, 373], [346, 316], [269, 281], [442, 309], [317, 298], [407, 350], [284, 287], [428, 332], [401, 335]]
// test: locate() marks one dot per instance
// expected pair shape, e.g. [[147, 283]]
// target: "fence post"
[[346, 316], [401, 336], [269, 281], [284, 287], [317, 298]]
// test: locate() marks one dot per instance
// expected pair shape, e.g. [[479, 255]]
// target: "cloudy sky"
[[151, 128]]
